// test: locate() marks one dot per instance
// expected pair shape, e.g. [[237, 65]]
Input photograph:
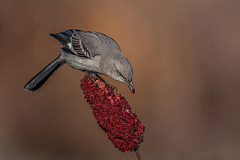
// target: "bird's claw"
[[95, 76], [92, 77], [112, 88]]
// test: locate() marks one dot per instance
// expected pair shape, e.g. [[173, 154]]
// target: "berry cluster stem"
[[138, 154]]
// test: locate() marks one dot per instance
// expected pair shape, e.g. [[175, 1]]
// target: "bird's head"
[[122, 71]]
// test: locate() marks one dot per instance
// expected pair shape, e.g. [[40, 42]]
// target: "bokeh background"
[[186, 60]]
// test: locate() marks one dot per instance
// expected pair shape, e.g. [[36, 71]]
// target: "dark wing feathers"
[[80, 48], [72, 43], [63, 37], [68, 50]]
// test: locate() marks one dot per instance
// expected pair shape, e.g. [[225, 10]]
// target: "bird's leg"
[[114, 88], [91, 76], [94, 76]]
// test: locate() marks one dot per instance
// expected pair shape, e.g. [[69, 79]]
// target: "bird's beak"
[[131, 87]]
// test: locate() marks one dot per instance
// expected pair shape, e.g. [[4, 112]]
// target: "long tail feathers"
[[37, 81]]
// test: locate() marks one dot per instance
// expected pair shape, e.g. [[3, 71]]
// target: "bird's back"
[[90, 39]]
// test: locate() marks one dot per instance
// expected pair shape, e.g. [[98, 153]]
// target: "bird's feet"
[[94, 76], [112, 88]]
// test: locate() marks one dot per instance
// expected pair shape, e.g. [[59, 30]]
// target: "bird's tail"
[[38, 80]]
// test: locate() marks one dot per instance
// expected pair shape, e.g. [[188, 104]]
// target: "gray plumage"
[[88, 51]]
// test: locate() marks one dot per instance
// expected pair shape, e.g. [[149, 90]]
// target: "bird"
[[89, 51]]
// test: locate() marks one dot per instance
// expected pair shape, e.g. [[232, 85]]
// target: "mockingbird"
[[88, 51]]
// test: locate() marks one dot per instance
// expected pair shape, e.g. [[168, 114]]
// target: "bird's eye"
[[120, 74]]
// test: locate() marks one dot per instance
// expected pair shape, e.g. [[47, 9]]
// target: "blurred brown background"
[[186, 61]]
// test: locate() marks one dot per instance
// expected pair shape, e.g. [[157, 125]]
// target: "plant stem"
[[138, 154]]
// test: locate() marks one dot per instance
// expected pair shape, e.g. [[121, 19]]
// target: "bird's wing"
[[81, 43], [84, 44]]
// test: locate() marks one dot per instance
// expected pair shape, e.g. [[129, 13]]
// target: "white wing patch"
[[69, 45]]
